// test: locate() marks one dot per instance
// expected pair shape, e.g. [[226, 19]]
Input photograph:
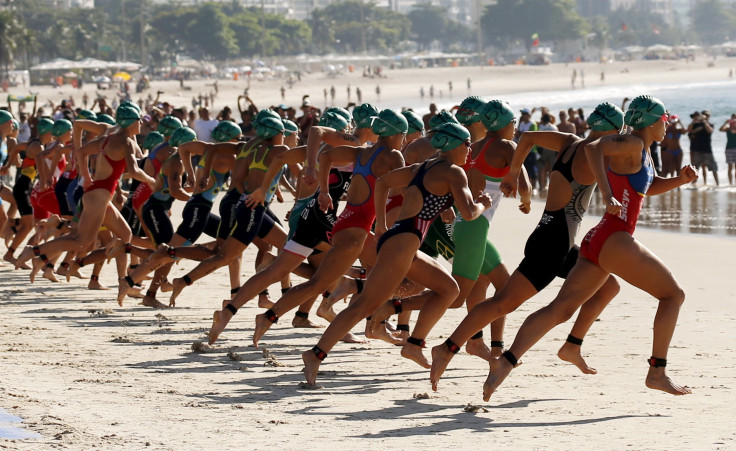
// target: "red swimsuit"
[[111, 182]]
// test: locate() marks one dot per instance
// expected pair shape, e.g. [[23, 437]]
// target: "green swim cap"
[[181, 136], [5, 116], [126, 116], [469, 110], [341, 111], [168, 125], [105, 119], [16, 124], [389, 123], [443, 117], [130, 104], [290, 127], [152, 140], [87, 114], [495, 115], [415, 122], [264, 114], [44, 125], [606, 117], [644, 111], [268, 127], [60, 127], [226, 131], [333, 121], [363, 115], [449, 136]]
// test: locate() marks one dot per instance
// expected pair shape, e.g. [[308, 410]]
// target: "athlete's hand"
[[203, 182], [448, 216], [613, 206], [279, 196], [380, 229], [3, 170], [310, 175], [688, 174], [87, 183], [525, 206], [325, 201], [485, 199], [509, 185], [257, 197], [188, 186], [151, 182]]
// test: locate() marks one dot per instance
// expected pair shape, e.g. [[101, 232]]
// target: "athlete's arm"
[[132, 165], [340, 153], [175, 171], [398, 178], [466, 206], [620, 149], [186, 151], [662, 185]]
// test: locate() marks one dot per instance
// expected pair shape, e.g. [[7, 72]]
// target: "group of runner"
[[412, 193]]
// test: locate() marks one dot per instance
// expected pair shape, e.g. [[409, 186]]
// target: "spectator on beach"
[[526, 124], [204, 125], [729, 127], [701, 151], [427, 117], [671, 148], [565, 125], [546, 157]]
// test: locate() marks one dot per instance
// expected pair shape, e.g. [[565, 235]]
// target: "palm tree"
[[9, 30]]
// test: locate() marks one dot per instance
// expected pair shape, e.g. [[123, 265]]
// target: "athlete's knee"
[[610, 288], [675, 297]]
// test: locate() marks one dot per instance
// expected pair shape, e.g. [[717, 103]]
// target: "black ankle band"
[[285, 290], [64, 265], [36, 251], [271, 316], [150, 294], [402, 327], [263, 293], [94, 278], [128, 248], [477, 336], [60, 225], [451, 346], [49, 265], [133, 266], [11, 249], [138, 285], [44, 259], [657, 363], [299, 314], [358, 285], [397, 306], [574, 340], [497, 344], [187, 280], [511, 358], [319, 353], [416, 342], [326, 294], [79, 262], [130, 281], [15, 231], [232, 308], [171, 252], [234, 290]]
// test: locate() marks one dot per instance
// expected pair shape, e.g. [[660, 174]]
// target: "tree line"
[[154, 34]]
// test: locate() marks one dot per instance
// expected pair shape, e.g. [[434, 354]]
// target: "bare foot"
[[325, 311], [262, 325], [114, 249], [657, 379], [380, 333], [166, 286], [219, 321], [499, 369], [48, 273], [136, 293], [123, 290], [350, 338], [345, 287], [571, 353], [62, 270], [178, 285], [24, 256], [264, 301], [441, 357], [478, 348], [50, 227], [304, 323], [149, 301], [74, 272], [414, 352], [95, 284], [37, 265], [311, 366]]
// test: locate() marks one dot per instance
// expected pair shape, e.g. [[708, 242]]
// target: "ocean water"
[[708, 210], [9, 427]]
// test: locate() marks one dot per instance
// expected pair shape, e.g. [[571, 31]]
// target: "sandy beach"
[[84, 373]]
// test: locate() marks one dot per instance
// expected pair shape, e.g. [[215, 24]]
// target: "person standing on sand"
[[671, 149], [565, 126], [610, 248], [701, 151], [729, 127]]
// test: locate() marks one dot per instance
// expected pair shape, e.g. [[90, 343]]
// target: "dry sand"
[[84, 373]]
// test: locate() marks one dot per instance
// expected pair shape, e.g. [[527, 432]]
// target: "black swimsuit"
[[431, 209]]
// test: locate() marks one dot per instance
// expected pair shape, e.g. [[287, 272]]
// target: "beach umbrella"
[[122, 75], [102, 79]]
